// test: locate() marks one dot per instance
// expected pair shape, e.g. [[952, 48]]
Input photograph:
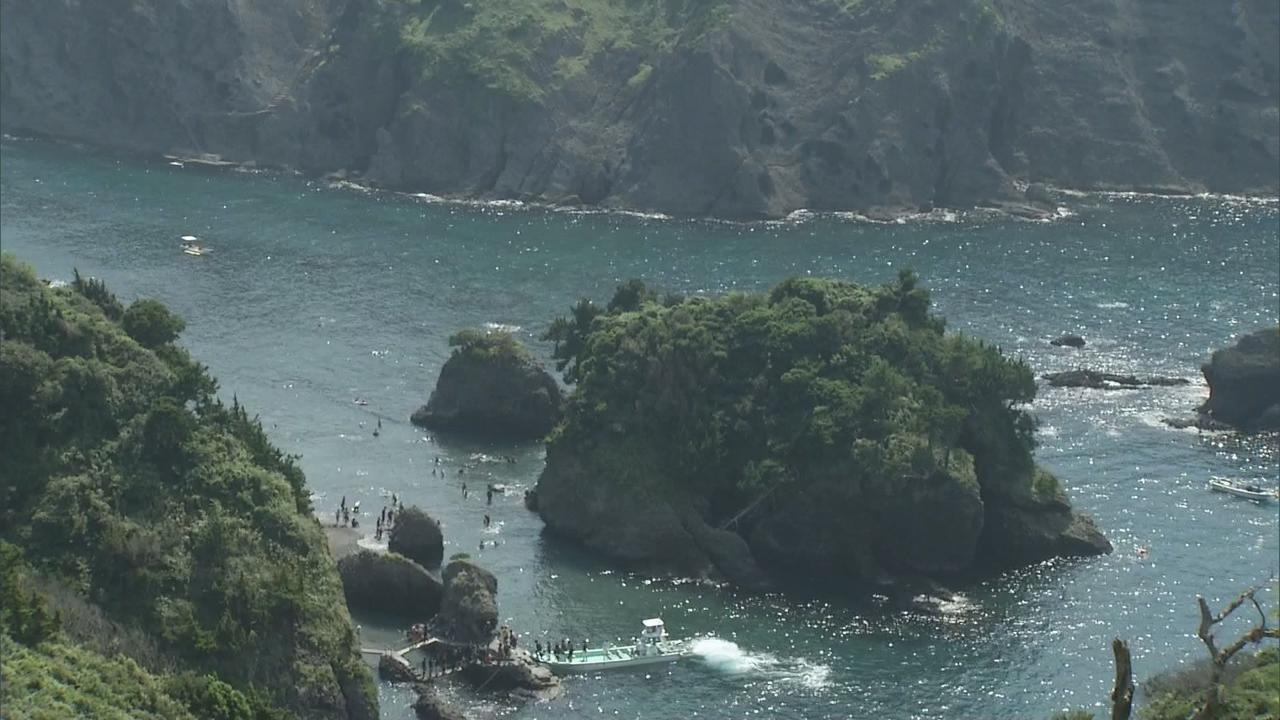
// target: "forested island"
[[158, 556], [728, 108], [823, 433]]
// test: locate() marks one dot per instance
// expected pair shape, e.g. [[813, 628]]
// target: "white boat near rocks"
[[651, 648], [1249, 492]]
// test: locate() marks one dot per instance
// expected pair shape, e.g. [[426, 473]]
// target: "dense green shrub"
[[151, 324], [1251, 690], [23, 615], [747, 392], [127, 482], [56, 681]]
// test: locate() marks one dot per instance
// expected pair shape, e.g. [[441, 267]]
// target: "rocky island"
[[1244, 386], [729, 108], [491, 386], [822, 431], [158, 554]]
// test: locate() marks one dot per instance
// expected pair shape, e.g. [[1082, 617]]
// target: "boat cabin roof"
[[653, 622]]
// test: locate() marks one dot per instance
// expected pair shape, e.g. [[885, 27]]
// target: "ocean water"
[[314, 296]]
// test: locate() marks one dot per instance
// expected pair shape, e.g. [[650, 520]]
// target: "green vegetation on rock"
[[502, 45], [834, 428], [143, 503], [491, 385], [1251, 689]]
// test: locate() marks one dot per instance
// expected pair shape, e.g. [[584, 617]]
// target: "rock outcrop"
[[417, 536], [519, 677], [469, 611], [429, 705], [393, 668], [1068, 340], [390, 583], [626, 522], [492, 386], [935, 526], [1244, 383], [1109, 381], [738, 108]]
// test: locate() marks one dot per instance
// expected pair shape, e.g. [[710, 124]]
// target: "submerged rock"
[[1108, 381], [1244, 383], [1068, 340], [390, 583], [492, 386], [469, 610], [416, 535], [429, 705]]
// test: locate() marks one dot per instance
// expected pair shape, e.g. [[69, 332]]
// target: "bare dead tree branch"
[[1122, 692], [1218, 659]]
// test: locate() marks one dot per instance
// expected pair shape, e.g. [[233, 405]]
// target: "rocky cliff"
[[1244, 383], [491, 386], [732, 108]]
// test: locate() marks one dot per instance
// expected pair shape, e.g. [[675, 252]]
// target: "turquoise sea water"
[[315, 296]]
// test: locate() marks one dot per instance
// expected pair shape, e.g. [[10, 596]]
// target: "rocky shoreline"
[[997, 90]]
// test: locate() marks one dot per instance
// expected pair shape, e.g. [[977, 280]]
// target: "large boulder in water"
[[469, 611], [429, 705], [416, 535], [1025, 528], [1244, 383], [492, 386], [389, 583]]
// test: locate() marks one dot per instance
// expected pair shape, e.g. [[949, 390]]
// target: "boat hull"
[[1256, 496], [617, 660]]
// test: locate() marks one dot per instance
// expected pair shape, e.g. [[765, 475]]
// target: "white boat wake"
[[729, 658]]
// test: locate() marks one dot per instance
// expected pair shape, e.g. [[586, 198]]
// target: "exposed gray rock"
[[416, 535], [1068, 340], [390, 583], [469, 611], [1244, 383], [491, 386], [519, 677], [393, 668], [1108, 381], [429, 706]]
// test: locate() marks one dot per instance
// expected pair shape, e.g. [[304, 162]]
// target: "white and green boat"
[[651, 648]]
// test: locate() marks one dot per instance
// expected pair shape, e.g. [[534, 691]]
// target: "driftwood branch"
[[1122, 693]]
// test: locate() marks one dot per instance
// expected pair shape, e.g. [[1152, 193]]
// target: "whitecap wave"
[[729, 658], [1117, 305]]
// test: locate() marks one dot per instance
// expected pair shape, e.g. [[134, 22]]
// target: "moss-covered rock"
[[417, 536], [469, 611], [491, 386], [1244, 383], [390, 583]]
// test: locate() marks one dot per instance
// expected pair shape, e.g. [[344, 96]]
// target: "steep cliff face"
[[735, 108]]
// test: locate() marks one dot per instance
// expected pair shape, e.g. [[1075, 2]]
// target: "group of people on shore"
[[350, 516], [388, 517]]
